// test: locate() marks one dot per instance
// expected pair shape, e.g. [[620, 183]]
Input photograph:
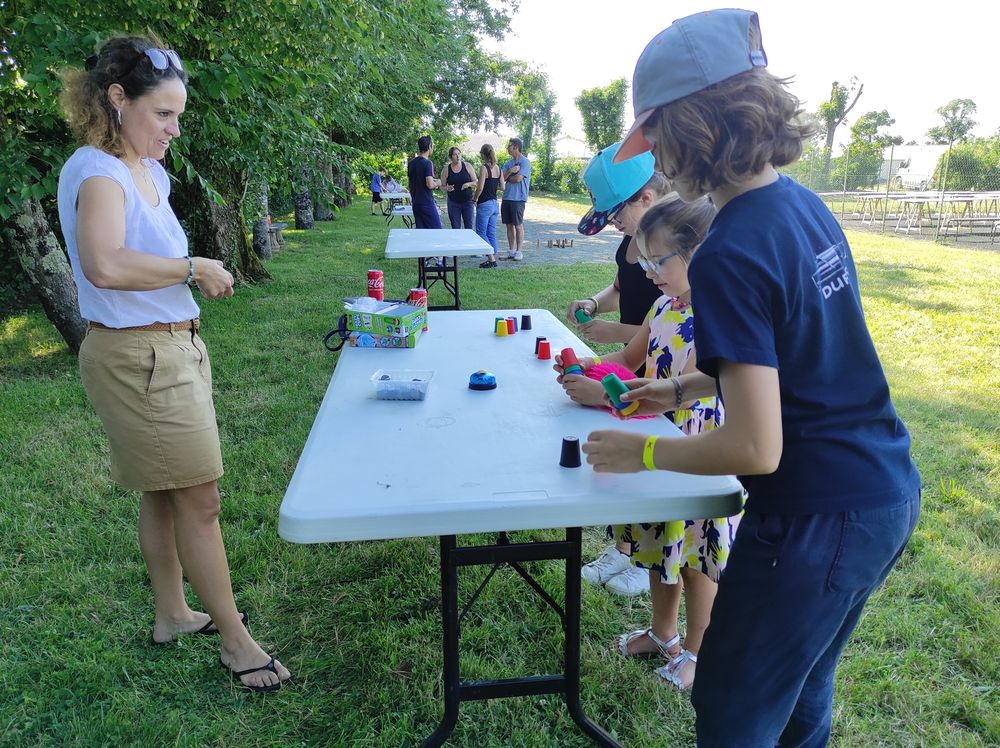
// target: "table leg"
[[449, 630], [567, 684], [572, 644]]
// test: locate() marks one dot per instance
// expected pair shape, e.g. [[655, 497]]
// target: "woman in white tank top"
[[143, 363]]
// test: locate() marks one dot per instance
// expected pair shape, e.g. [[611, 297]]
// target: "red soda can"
[[418, 297], [376, 285]]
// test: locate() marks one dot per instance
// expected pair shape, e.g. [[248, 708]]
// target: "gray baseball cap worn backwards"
[[688, 56]]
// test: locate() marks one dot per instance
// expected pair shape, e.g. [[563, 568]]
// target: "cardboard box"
[[392, 318], [371, 340]]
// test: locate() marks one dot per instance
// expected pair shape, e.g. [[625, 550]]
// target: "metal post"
[[944, 187], [843, 197], [888, 182]]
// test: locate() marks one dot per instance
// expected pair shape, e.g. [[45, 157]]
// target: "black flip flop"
[[237, 674], [207, 630]]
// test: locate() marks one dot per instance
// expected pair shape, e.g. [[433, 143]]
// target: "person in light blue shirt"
[[517, 180]]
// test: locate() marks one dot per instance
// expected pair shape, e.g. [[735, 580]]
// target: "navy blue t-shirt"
[[417, 172], [774, 284]]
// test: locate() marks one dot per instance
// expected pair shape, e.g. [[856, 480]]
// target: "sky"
[[912, 57]]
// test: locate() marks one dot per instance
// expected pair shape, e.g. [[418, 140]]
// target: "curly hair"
[[84, 98], [673, 223], [730, 131]]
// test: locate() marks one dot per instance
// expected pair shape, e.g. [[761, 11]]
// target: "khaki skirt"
[[153, 392]]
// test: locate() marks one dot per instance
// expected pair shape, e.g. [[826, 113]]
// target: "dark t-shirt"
[[774, 284], [637, 292], [417, 172]]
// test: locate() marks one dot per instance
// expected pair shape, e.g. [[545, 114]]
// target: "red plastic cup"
[[544, 350], [510, 326], [376, 285]]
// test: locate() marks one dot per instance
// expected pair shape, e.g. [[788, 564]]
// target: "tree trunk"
[[261, 241], [325, 199], [343, 180], [41, 256], [303, 210], [217, 231]]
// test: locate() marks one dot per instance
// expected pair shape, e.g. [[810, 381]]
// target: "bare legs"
[[192, 515], [511, 238], [699, 595]]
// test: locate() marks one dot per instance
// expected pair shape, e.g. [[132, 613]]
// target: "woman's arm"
[[607, 301], [480, 184], [107, 263], [749, 443]]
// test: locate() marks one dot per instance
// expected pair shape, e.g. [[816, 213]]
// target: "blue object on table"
[[482, 380]]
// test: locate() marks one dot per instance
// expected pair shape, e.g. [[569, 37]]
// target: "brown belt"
[[187, 324]]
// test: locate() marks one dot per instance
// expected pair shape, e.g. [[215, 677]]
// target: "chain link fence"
[[938, 192]]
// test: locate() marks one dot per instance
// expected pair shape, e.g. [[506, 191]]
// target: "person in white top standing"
[[143, 363]]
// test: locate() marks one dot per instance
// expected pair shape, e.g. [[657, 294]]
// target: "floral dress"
[[701, 544]]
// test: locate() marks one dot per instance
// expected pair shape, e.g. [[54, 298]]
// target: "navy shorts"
[[512, 212]]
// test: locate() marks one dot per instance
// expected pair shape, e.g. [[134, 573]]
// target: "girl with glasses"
[[695, 550]]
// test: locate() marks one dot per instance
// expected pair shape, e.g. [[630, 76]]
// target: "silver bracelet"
[[677, 391], [189, 281]]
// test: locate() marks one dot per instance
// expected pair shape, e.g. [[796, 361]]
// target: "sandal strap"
[[663, 646], [268, 666]]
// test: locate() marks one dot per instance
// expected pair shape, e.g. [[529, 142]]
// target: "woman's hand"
[[612, 451], [583, 390], [585, 304], [212, 279], [449, 188], [602, 331]]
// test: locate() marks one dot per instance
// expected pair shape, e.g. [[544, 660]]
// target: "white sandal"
[[663, 647], [671, 672]]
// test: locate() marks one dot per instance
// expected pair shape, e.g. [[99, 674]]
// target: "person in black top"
[[422, 183], [621, 193], [459, 182], [487, 206]]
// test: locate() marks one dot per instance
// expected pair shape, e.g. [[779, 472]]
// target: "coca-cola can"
[[376, 285], [418, 297]]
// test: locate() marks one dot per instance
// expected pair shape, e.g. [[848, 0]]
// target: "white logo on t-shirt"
[[831, 273]]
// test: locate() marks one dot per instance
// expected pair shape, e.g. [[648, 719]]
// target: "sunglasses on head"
[[160, 59]]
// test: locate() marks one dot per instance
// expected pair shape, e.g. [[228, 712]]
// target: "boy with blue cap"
[[620, 195], [811, 429]]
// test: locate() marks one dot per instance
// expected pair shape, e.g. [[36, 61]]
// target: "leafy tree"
[[863, 160], [833, 112], [603, 112], [283, 102], [531, 89], [550, 125], [975, 165], [958, 122]]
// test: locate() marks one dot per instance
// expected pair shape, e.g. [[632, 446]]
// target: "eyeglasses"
[[160, 59], [657, 264]]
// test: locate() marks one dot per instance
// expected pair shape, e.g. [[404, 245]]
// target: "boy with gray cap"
[[811, 429]]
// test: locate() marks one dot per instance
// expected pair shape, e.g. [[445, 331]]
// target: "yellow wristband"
[[647, 453], [596, 360]]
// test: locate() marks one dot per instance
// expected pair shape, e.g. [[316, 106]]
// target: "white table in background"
[[448, 244], [430, 467], [393, 199]]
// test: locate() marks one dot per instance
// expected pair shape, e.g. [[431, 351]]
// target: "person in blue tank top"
[[810, 430]]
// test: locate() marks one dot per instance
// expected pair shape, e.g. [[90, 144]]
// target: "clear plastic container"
[[401, 384]]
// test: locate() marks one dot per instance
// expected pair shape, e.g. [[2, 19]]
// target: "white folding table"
[[444, 243], [428, 467]]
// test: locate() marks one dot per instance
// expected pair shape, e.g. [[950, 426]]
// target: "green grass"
[[358, 623]]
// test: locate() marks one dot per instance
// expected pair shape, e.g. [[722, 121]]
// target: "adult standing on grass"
[[378, 178], [422, 183], [810, 425], [143, 362], [487, 205], [620, 194], [517, 179], [460, 184]]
